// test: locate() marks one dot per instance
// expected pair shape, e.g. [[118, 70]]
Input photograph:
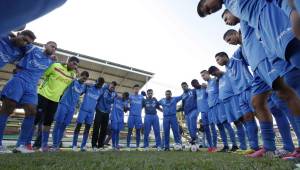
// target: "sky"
[[166, 37]]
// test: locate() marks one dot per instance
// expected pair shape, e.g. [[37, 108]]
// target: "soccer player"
[[203, 108], [151, 120], [117, 118], [270, 22], [101, 120], [87, 112], [16, 13], [215, 107], [66, 108], [135, 115], [232, 111], [12, 47], [170, 120], [56, 79], [22, 89], [240, 76], [260, 65]]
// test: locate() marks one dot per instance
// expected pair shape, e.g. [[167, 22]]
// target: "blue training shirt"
[[247, 10], [150, 106], [202, 104], [238, 72], [225, 87], [136, 105], [117, 112], [169, 105], [212, 92], [92, 94], [253, 49], [189, 101], [33, 65], [16, 13], [106, 99], [71, 95], [8, 51]]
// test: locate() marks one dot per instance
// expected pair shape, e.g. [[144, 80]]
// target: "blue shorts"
[[117, 125], [64, 114], [20, 91], [204, 118], [85, 117], [275, 30], [135, 121], [232, 109], [213, 115], [221, 113], [245, 102]]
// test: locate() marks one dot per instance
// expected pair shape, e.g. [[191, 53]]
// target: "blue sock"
[[29, 139], [61, 134], [214, 135], [113, 138], [138, 137], [231, 133], [241, 136], [55, 133], [297, 129], [117, 138], [129, 137], [84, 139], [45, 137], [26, 128], [3, 121], [268, 135], [284, 129], [75, 139], [252, 130], [207, 135], [223, 134]]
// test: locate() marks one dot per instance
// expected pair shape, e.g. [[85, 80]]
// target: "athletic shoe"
[[280, 153], [159, 149], [294, 155], [210, 150], [23, 149], [224, 149], [29, 147], [167, 149], [83, 149], [94, 149], [234, 148], [245, 152], [75, 149], [146, 149], [44, 149], [4, 150], [262, 152]]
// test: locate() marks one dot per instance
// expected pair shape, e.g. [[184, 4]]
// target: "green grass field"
[[139, 160]]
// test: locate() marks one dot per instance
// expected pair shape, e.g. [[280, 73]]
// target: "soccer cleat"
[[94, 149], [294, 155], [23, 149], [167, 149], [280, 153], [75, 149], [83, 149], [234, 148], [44, 149], [29, 147], [224, 149], [211, 150], [262, 152], [245, 152], [4, 150], [159, 149]]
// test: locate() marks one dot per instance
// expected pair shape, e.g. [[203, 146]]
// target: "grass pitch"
[[139, 160]]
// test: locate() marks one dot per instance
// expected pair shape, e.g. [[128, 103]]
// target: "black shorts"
[[45, 111]]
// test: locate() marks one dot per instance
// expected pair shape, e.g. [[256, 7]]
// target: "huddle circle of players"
[[268, 42]]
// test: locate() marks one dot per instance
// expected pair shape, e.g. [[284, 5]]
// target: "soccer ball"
[[177, 147], [194, 148]]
